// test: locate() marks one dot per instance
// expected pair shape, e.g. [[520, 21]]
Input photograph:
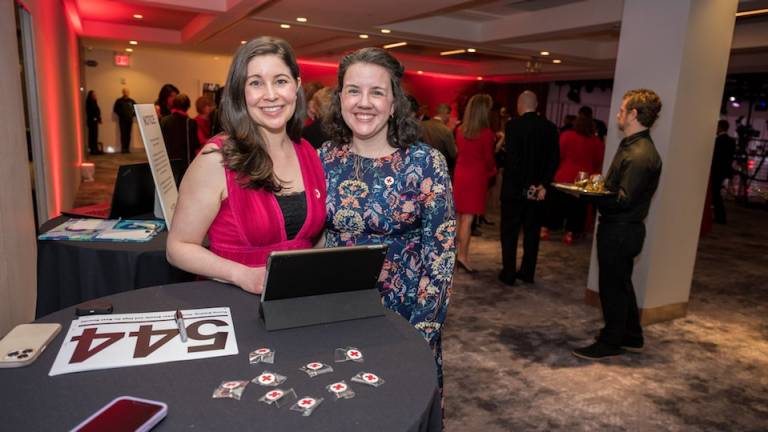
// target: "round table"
[[71, 272], [393, 349]]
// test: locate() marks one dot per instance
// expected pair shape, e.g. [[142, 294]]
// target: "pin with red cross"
[[341, 390], [230, 389], [368, 378], [277, 396], [316, 368], [268, 378], [349, 353], [262, 355], [306, 405]]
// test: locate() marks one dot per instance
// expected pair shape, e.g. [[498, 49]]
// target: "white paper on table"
[[90, 224], [122, 340], [135, 234]]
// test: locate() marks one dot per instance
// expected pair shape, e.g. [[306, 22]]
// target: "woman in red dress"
[[580, 150], [474, 167]]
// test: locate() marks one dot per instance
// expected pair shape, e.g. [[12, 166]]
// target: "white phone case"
[[22, 345]]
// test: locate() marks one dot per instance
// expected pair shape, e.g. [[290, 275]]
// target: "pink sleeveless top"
[[250, 224]]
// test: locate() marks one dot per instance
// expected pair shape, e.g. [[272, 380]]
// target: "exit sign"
[[122, 60]]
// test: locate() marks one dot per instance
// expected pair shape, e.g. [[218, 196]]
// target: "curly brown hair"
[[646, 102], [244, 150], [402, 129]]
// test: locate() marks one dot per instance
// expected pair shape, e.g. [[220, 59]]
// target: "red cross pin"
[[354, 354], [339, 387], [314, 366], [230, 384], [267, 378], [274, 395], [308, 402], [370, 377]]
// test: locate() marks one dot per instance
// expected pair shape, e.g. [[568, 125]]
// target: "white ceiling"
[[506, 33]]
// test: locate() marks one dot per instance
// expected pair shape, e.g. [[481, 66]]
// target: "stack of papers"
[[113, 230]]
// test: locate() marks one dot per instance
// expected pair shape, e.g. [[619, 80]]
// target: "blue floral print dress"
[[403, 200]]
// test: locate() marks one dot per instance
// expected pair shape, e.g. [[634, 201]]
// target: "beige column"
[[680, 50], [18, 283]]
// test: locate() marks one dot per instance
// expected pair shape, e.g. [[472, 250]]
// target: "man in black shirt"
[[123, 108], [722, 158], [634, 176], [532, 155]]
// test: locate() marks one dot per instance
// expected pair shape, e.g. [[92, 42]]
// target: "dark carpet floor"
[[508, 365]]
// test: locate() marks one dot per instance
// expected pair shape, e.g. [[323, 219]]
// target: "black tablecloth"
[[393, 349], [71, 272]]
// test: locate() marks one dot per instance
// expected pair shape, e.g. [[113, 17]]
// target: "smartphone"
[[22, 345], [93, 307], [125, 414]]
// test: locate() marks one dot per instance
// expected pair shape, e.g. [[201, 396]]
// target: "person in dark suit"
[[180, 132], [722, 158], [123, 109], [92, 119], [532, 157]]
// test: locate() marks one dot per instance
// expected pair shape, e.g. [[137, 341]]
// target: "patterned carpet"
[[508, 365], [507, 349]]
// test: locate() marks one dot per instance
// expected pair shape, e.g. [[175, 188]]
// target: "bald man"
[[123, 109], [532, 155]]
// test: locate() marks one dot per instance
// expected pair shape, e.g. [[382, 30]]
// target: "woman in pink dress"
[[258, 187], [474, 168]]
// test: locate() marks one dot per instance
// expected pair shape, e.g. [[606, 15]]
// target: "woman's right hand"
[[250, 279]]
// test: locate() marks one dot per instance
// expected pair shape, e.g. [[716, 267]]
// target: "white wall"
[[684, 60], [150, 68], [17, 240]]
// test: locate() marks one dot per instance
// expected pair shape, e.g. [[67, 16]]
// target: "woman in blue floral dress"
[[385, 187]]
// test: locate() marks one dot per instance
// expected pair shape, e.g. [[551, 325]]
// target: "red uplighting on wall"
[[74, 71]]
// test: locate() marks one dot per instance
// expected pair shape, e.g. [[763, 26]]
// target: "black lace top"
[[294, 208]]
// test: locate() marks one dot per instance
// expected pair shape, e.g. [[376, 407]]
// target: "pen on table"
[[180, 324]]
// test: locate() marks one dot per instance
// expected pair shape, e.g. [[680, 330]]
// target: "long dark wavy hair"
[[403, 128], [162, 98], [244, 151]]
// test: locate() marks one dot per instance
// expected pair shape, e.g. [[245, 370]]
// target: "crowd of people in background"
[[274, 164]]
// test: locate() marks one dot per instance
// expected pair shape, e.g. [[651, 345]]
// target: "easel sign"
[[165, 185], [123, 340]]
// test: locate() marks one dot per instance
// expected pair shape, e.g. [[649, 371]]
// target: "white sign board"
[[122, 340], [165, 186]]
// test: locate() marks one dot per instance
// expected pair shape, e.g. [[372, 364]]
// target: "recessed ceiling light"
[[138, 16], [557, 61], [285, 26], [243, 42], [458, 51], [544, 53], [395, 45], [479, 78], [129, 50], [363, 36], [133, 42], [301, 19], [471, 50], [419, 72], [386, 31]]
